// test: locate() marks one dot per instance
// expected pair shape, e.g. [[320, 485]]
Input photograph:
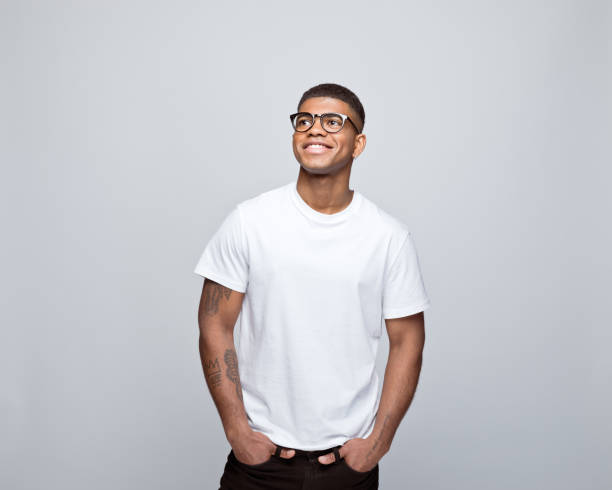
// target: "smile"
[[316, 149]]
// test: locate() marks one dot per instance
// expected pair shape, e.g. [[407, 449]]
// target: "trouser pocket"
[[232, 457]]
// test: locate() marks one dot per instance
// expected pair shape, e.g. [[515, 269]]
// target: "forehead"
[[320, 105]]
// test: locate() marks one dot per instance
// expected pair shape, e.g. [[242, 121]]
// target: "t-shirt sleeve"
[[224, 259], [404, 291]]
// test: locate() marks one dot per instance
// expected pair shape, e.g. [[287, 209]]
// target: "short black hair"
[[336, 91]]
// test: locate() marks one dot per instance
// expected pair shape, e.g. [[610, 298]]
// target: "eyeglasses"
[[331, 122]]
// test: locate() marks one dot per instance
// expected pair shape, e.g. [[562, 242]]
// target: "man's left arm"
[[406, 341]]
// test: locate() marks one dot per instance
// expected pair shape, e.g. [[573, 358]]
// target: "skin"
[[323, 179], [217, 315], [406, 342], [323, 184]]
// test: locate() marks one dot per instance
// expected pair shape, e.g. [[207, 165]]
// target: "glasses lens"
[[302, 121], [332, 122]]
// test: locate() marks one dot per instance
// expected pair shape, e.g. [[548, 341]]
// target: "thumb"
[[287, 453], [327, 458]]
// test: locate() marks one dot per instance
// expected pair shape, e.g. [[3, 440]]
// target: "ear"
[[360, 143]]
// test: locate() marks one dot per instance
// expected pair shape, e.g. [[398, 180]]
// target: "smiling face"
[[321, 152]]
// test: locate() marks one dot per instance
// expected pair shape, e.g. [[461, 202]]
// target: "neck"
[[325, 193]]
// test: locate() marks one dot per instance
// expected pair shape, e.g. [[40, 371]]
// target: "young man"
[[313, 268]]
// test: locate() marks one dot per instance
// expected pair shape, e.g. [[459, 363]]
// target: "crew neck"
[[324, 218]]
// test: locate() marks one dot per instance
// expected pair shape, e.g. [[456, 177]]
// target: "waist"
[[313, 454]]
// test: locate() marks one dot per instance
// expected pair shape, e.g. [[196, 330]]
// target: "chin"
[[319, 168], [316, 171]]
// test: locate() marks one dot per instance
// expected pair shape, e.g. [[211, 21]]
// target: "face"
[[338, 149]]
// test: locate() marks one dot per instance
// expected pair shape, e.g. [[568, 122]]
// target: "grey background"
[[130, 129]]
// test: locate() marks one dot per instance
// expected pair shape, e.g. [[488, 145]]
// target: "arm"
[[217, 314], [406, 341], [219, 309]]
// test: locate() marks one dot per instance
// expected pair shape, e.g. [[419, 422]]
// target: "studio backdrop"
[[130, 130]]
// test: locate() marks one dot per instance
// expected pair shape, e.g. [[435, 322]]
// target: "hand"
[[359, 454], [252, 447]]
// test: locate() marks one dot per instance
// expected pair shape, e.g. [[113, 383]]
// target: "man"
[[313, 268]]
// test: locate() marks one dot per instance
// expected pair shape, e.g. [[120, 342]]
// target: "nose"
[[313, 129]]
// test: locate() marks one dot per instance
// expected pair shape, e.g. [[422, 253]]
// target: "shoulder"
[[392, 232], [383, 222], [263, 204]]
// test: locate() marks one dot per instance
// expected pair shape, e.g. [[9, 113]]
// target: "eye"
[[302, 121], [333, 121]]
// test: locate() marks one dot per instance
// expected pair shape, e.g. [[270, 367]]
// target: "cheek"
[[296, 148], [344, 146]]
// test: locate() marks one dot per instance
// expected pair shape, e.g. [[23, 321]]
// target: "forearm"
[[220, 366], [399, 385]]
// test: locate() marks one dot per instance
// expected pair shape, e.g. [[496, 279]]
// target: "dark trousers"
[[302, 472]]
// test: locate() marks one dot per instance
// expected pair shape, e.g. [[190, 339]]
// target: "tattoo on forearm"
[[231, 361], [212, 371], [379, 438], [212, 295]]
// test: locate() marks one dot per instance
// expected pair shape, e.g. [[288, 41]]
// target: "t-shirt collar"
[[323, 217]]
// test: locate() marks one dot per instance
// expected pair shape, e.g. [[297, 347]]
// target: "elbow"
[[407, 352], [214, 333]]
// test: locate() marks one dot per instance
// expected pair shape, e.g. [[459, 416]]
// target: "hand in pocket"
[[255, 448]]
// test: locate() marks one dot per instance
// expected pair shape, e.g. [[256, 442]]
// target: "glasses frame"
[[344, 117]]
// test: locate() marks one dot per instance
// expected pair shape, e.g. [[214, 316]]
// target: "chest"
[[321, 260]]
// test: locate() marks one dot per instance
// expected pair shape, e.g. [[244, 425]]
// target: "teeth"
[[316, 146]]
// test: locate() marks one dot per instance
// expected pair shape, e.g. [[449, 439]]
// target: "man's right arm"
[[217, 315]]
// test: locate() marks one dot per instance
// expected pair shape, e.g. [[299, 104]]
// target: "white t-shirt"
[[318, 287]]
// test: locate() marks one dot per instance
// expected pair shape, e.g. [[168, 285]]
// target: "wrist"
[[379, 446], [237, 432]]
